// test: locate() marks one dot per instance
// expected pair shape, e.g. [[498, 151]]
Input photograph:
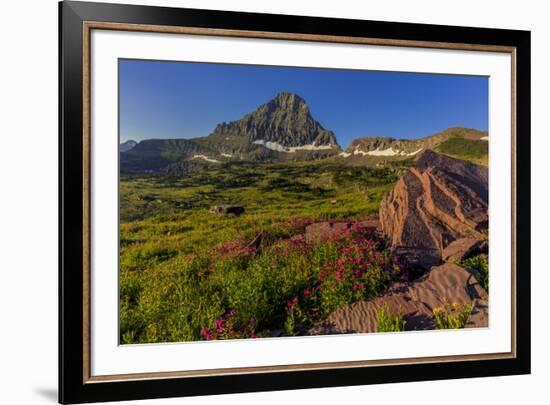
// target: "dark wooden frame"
[[76, 18]]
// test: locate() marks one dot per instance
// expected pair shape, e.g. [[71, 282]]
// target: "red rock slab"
[[320, 231], [460, 249], [439, 201]]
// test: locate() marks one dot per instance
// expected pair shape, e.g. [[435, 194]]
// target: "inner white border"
[[107, 357]]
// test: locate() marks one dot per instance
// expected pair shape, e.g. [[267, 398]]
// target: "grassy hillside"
[[467, 149], [186, 274]]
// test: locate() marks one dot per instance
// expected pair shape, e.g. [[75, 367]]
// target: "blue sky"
[[184, 100]]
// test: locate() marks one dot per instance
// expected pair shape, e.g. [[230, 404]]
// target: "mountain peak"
[[285, 120], [289, 103], [287, 100]]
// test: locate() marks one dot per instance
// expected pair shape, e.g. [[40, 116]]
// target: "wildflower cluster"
[[285, 247], [348, 266], [355, 268], [388, 321], [361, 266], [234, 253], [230, 326], [298, 224], [452, 316], [235, 248]]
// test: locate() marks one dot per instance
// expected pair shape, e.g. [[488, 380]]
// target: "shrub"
[[386, 321], [479, 263], [452, 316], [230, 326]]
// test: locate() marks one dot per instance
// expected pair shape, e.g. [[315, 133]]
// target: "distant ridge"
[[283, 130], [126, 146], [462, 143]]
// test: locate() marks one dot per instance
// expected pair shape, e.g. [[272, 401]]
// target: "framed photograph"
[[253, 202]]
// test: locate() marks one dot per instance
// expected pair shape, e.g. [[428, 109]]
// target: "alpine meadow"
[[270, 224]]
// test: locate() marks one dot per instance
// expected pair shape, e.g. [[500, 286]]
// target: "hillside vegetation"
[[472, 150], [187, 274]]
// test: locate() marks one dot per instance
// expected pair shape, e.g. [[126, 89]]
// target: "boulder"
[[227, 209], [433, 204], [460, 249], [320, 231]]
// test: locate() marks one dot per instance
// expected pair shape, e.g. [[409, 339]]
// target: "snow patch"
[[289, 149], [227, 155], [205, 158], [270, 145], [344, 154], [359, 152], [385, 152], [412, 153], [485, 138], [292, 149]]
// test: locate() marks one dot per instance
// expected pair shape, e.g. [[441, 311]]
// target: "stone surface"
[[460, 249], [227, 209], [320, 231], [438, 201]]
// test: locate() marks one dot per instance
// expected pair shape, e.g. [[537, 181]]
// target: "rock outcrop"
[[235, 210], [461, 249], [438, 201]]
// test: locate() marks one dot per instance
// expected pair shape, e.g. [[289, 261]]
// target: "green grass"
[[387, 321], [466, 149], [452, 316], [480, 264], [186, 274]]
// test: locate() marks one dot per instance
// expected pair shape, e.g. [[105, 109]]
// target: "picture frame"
[[77, 382]]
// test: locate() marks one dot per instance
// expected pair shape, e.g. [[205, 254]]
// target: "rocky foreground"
[[435, 216]]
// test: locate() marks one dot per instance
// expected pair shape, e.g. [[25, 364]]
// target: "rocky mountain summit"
[[439, 201], [282, 124]]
